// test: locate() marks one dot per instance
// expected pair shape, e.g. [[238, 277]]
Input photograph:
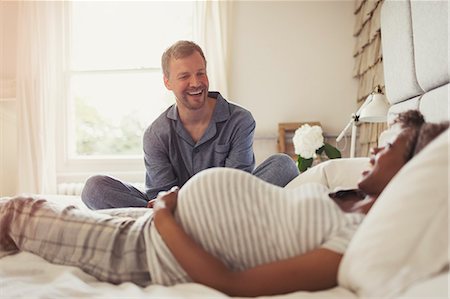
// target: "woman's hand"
[[165, 200]]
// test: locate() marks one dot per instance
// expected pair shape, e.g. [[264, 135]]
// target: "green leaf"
[[319, 151], [304, 164], [331, 151]]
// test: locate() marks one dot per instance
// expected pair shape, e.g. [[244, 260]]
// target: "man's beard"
[[194, 104]]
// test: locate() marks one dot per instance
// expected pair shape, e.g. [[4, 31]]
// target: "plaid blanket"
[[109, 247]]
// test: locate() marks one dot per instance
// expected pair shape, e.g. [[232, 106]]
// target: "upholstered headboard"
[[415, 36]]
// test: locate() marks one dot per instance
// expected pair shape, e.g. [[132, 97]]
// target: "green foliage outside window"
[[97, 135]]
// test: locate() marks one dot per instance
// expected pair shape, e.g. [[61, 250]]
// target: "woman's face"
[[386, 162]]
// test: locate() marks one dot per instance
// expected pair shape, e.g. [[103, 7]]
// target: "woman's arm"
[[316, 270]]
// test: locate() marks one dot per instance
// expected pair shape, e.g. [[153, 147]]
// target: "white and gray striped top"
[[247, 222]]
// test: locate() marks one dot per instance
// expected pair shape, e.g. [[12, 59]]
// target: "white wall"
[[292, 62]]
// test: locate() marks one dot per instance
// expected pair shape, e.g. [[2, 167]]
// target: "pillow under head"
[[404, 238]]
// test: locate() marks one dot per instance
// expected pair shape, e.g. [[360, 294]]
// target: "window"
[[114, 78]]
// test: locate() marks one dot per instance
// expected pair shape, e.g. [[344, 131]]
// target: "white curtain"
[[211, 30], [39, 86]]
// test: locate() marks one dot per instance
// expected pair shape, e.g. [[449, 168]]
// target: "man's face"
[[386, 162], [188, 81]]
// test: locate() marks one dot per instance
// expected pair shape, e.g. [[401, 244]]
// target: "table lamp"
[[373, 110]]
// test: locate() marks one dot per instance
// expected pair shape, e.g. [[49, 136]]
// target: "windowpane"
[[126, 34], [115, 80], [113, 110]]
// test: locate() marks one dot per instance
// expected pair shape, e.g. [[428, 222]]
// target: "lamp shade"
[[373, 110], [376, 109]]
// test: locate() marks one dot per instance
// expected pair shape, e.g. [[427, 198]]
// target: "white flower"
[[307, 140]]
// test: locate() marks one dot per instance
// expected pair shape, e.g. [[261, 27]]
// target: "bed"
[[394, 253]]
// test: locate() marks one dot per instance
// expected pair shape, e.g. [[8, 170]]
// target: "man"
[[202, 130]]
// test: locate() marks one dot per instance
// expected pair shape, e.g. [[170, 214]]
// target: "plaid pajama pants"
[[108, 247]]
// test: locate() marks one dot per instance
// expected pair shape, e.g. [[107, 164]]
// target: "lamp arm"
[[341, 135], [355, 116]]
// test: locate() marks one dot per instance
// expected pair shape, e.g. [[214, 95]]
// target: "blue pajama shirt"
[[172, 157]]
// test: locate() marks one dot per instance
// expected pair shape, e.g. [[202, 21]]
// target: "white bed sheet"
[[25, 275]]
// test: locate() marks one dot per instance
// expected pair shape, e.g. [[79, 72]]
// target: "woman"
[[228, 229]]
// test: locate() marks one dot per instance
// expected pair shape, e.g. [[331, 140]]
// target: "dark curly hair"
[[410, 119], [428, 132], [421, 132]]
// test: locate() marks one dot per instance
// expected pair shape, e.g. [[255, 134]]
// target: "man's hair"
[[180, 49], [421, 132]]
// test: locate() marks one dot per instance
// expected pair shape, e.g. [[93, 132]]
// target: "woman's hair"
[[427, 133], [421, 132], [180, 49], [410, 119]]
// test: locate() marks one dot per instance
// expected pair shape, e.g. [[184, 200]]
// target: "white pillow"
[[343, 173], [404, 238]]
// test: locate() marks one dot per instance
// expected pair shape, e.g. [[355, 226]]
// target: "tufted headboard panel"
[[415, 36]]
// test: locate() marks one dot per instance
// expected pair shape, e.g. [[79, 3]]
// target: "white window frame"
[[75, 169], [207, 14]]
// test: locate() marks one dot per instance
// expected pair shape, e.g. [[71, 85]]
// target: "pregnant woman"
[[225, 228]]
